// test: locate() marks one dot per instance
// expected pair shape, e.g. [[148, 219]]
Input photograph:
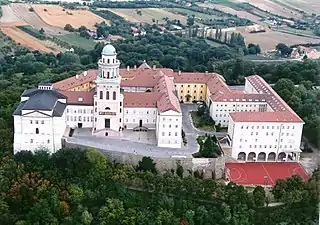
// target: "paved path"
[[126, 146]]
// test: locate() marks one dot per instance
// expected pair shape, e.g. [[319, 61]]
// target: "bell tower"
[[108, 101]]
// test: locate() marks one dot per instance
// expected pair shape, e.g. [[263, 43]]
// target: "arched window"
[[114, 95], [107, 96], [108, 60], [103, 60], [37, 130], [108, 74], [113, 61], [101, 95]]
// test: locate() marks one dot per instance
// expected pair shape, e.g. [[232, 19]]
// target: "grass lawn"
[[196, 119], [78, 41]]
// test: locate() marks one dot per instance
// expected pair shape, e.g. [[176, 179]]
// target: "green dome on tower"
[[109, 50]]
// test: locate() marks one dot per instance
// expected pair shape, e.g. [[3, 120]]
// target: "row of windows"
[[244, 105], [36, 122], [170, 119], [108, 60], [267, 127], [114, 94], [141, 113], [194, 97], [134, 120], [84, 111], [164, 126], [48, 141], [265, 146], [193, 91], [169, 142], [188, 85], [169, 134], [79, 118]]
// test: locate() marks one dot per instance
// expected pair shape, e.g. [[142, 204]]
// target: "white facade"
[[262, 141], [79, 116], [169, 128], [219, 111], [143, 117]]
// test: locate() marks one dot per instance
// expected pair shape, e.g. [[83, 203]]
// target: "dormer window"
[[80, 99]]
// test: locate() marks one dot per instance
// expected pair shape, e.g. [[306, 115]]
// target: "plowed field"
[[25, 39], [56, 16]]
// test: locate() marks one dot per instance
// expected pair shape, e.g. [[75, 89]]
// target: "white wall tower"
[[108, 101]]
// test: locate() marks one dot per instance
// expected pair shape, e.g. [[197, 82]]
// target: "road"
[[126, 146]]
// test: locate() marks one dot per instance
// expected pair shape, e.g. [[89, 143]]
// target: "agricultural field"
[[269, 39], [31, 18], [76, 40], [26, 40], [226, 9], [308, 6], [57, 16], [187, 12], [274, 8], [147, 15]]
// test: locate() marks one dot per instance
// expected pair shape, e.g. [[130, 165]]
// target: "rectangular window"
[[31, 141], [31, 121], [48, 141], [176, 126], [176, 134], [162, 133], [169, 133], [163, 125], [169, 125], [36, 121]]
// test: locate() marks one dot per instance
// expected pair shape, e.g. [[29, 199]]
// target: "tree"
[[283, 49], [259, 196], [147, 164], [69, 28], [112, 212], [190, 20], [179, 170]]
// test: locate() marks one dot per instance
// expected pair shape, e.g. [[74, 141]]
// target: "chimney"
[[154, 67], [207, 72], [85, 73], [135, 67], [77, 76], [179, 72], [128, 68]]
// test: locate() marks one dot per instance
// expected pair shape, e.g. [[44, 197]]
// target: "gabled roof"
[[42, 100], [79, 97], [144, 65]]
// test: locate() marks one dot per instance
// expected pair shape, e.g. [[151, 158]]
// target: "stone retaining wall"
[[209, 168]]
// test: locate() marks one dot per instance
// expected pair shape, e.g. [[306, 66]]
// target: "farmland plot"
[[274, 8], [147, 15], [57, 16], [226, 9]]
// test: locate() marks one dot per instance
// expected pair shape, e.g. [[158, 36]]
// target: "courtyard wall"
[[210, 168]]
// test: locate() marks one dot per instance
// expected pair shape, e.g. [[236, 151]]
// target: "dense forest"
[[74, 186]]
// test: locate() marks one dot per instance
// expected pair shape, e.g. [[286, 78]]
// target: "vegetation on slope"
[[75, 186]]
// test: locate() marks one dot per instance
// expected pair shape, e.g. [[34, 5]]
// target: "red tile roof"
[[168, 101], [284, 117], [75, 81], [79, 97], [141, 99], [282, 112]]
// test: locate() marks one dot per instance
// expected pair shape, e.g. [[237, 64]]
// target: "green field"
[[77, 41], [187, 13]]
